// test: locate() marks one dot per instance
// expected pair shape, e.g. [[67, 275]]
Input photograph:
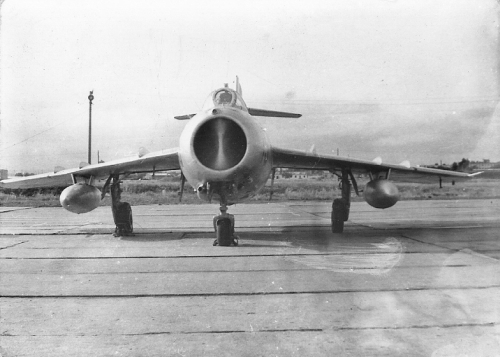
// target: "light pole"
[[91, 98]]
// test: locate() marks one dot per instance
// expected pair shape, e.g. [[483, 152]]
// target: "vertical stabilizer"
[[238, 87]]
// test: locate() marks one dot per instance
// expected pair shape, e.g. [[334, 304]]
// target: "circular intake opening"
[[220, 144]]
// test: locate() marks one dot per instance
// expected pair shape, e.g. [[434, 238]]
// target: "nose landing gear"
[[224, 228]]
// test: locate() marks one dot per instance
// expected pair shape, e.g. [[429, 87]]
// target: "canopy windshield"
[[225, 97]]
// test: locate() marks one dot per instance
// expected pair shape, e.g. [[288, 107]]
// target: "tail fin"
[[238, 87], [263, 112]]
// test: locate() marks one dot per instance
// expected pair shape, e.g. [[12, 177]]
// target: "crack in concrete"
[[13, 209], [13, 245], [457, 250], [429, 243]]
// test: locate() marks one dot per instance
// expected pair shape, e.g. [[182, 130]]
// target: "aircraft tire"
[[339, 215], [224, 236], [337, 226], [124, 218]]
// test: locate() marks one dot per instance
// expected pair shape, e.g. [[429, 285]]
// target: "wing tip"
[[475, 174]]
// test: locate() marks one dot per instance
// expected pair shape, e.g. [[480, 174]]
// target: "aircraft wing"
[[155, 161], [296, 159]]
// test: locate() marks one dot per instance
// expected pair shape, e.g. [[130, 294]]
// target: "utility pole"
[[91, 98]]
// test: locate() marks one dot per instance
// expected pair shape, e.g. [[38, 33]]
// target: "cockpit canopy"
[[225, 97]]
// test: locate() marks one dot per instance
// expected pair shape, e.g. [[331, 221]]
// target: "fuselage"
[[223, 152]]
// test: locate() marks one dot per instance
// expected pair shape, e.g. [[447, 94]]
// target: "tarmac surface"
[[419, 279]]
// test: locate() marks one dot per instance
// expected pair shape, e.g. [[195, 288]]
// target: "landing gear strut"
[[224, 228], [341, 206], [122, 212]]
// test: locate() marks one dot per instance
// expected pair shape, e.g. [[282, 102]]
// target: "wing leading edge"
[[155, 161], [296, 159]]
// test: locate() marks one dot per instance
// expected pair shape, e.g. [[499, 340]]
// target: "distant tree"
[[19, 174], [463, 165]]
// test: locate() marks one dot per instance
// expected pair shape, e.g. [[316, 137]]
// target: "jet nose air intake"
[[220, 144]]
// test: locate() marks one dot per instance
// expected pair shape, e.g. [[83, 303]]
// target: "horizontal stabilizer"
[[378, 160], [406, 164], [184, 117], [272, 113], [143, 151]]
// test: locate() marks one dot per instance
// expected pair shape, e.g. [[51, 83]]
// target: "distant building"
[[4, 174], [299, 175], [302, 175], [482, 165], [289, 174]]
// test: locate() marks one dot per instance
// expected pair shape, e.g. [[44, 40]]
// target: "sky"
[[409, 80]]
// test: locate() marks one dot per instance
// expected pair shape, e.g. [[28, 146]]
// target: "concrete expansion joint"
[[261, 293], [153, 333], [217, 332], [430, 243], [412, 327]]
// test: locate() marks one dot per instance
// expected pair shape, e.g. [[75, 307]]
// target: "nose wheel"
[[224, 228]]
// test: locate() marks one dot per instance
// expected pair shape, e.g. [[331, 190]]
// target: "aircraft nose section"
[[220, 144]]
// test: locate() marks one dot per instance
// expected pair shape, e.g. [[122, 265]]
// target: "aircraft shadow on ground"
[[317, 238], [153, 237]]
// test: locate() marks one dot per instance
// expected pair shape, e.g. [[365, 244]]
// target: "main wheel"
[[339, 215], [123, 219], [337, 226], [223, 230]]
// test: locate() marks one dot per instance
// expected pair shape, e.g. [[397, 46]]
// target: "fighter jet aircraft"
[[226, 156]]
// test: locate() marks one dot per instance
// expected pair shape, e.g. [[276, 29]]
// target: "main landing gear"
[[224, 228], [341, 206], [122, 212]]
